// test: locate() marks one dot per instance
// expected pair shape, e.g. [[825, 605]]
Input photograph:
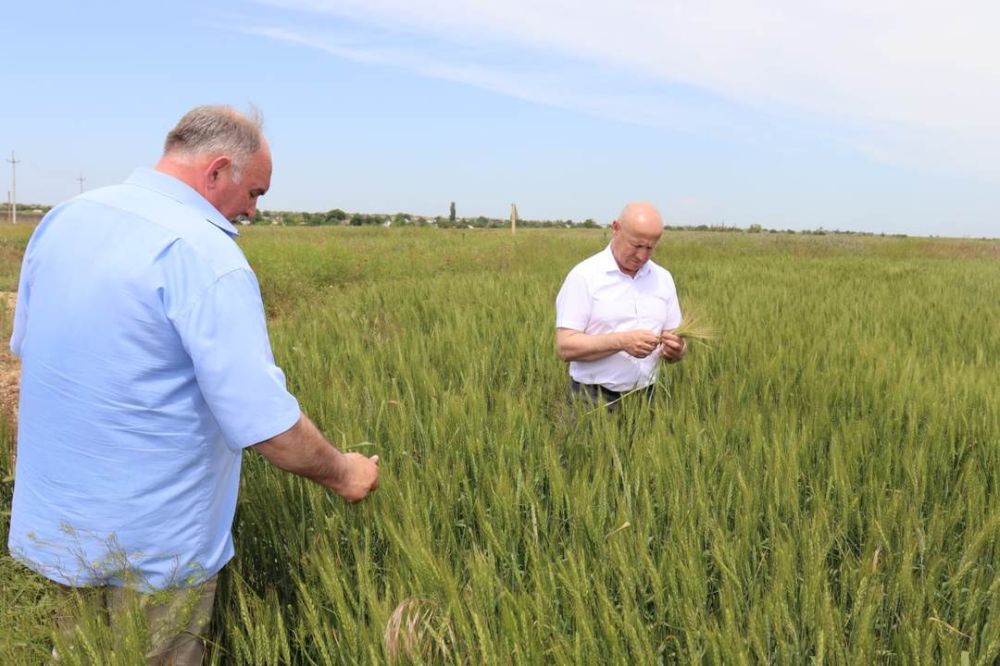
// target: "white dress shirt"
[[597, 297]]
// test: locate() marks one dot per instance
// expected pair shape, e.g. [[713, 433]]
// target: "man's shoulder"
[[657, 269], [659, 273], [595, 263], [163, 220]]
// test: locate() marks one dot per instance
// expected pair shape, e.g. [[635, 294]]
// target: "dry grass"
[[417, 631]]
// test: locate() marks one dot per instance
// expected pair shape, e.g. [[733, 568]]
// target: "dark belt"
[[596, 392]]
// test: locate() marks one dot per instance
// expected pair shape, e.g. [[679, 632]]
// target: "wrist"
[[334, 477]]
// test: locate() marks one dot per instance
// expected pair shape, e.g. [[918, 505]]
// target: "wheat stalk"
[[695, 328]]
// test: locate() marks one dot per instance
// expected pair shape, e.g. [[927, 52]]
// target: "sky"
[[877, 115]]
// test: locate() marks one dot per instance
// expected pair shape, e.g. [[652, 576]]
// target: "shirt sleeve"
[[674, 317], [20, 326], [573, 303], [225, 334]]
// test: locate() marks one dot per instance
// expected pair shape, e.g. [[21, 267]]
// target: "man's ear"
[[616, 225], [213, 172]]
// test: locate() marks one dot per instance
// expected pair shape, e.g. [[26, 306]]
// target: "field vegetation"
[[820, 485]]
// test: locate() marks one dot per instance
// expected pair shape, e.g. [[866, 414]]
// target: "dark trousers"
[[599, 395]]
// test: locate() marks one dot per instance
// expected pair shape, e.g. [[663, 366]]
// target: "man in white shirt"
[[616, 310]]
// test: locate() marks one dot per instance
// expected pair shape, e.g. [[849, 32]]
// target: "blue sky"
[[871, 116]]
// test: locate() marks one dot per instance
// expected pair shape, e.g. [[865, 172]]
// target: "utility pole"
[[513, 218], [13, 187], [81, 179]]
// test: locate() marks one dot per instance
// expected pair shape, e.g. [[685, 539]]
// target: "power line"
[[13, 187], [81, 179]]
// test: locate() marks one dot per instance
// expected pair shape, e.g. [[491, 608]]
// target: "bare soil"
[[10, 372]]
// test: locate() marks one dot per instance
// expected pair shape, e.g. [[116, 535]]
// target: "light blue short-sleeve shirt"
[[146, 368]]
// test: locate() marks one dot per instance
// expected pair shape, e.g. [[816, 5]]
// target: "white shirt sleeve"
[[674, 317], [573, 303]]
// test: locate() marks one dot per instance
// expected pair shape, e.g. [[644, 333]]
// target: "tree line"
[[338, 217], [31, 213]]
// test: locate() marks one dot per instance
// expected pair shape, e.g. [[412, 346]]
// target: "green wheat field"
[[820, 485]]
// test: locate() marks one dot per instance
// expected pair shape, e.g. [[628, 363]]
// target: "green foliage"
[[335, 216], [817, 486]]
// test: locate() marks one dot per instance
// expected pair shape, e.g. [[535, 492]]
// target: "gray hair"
[[217, 130]]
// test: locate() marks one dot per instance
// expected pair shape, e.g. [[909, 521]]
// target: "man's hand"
[[672, 347], [639, 344], [357, 476]]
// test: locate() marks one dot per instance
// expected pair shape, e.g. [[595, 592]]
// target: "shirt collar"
[[609, 265], [182, 193]]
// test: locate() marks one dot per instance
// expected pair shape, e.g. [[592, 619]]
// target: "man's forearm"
[[303, 450], [579, 346]]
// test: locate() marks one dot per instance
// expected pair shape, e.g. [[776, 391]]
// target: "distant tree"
[[588, 224], [335, 216], [451, 212], [755, 229]]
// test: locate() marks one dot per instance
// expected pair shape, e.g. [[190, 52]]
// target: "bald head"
[[642, 218], [636, 233]]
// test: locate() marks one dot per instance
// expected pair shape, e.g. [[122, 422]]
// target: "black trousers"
[[599, 395]]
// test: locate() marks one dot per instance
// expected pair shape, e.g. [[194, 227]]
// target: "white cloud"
[[561, 84], [914, 83]]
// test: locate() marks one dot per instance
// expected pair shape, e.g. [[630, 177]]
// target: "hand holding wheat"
[[693, 329], [672, 347], [639, 343]]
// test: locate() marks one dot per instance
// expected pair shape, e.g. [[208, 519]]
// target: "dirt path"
[[10, 380]]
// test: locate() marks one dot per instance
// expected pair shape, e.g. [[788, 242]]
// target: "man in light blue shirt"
[[147, 369]]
